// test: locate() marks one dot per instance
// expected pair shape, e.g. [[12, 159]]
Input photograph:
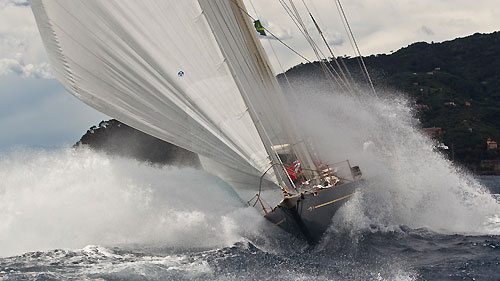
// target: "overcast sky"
[[36, 111]]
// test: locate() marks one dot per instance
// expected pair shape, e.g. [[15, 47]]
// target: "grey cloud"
[[20, 44], [5, 3], [12, 44], [17, 66], [279, 31], [426, 30], [334, 38]]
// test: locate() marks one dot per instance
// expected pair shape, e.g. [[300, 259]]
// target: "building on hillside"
[[467, 103], [450, 103], [491, 144]]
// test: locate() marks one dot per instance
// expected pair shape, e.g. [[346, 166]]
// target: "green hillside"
[[115, 138]]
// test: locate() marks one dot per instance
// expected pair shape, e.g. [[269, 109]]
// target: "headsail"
[[259, 86], [181, 71]]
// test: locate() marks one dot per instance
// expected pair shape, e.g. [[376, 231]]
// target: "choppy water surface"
[[402, 255], [77, 215]]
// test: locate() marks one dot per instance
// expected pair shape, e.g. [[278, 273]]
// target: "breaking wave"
[[69, 198], [408, 181]]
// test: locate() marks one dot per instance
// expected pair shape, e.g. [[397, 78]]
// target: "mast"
[[273, 87], [252, 75]]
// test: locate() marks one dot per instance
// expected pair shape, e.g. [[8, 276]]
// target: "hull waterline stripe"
[[280, 222], [328, 203]]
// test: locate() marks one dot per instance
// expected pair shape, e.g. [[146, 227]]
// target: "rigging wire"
[[346, 79], [349, 80], [294, 14], [303, 28], [351, 42], [322, 58], [272, 34], [281, 66], [297, 21], [338, 57], [318, 53], [245, 12], [289, 47], [348, 83], [344, 17]]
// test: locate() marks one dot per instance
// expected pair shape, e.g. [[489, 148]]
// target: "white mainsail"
[[188, 72]]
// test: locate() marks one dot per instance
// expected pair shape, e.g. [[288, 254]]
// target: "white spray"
[[407, 181], [70, 198]]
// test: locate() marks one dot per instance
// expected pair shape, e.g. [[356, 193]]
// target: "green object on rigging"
[[259, 27]]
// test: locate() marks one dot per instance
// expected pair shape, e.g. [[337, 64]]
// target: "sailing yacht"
[[194, 73]]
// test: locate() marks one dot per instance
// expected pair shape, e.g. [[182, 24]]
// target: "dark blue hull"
[[307, 215]]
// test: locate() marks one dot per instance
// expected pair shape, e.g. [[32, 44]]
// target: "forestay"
[[178, 70]]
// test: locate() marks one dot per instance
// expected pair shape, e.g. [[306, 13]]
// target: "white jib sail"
[[157, 66]]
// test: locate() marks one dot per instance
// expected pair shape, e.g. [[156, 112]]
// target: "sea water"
[[69, 214]]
